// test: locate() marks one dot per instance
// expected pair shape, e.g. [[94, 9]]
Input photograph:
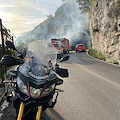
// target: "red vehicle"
[[62, 45], [65, 45], [80, 47], [57, 45]]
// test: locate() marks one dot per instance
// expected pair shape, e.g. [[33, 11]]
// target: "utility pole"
[[2, 38]]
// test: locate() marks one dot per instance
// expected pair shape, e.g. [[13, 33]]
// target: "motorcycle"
[[35, 79]]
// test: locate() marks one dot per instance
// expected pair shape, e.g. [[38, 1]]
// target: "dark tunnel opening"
[[80, 38]]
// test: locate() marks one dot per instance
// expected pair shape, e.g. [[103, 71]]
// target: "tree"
[[8, 51], [84, 5]]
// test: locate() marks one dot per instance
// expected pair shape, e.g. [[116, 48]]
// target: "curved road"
[[92, 91]]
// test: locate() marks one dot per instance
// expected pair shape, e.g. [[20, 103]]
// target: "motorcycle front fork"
[[21, 111]]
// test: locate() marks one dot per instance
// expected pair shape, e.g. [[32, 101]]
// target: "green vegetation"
[[116, 62], [96, 54], [84, 5], [91, 1], [91, 4], [29, 40], [92, 52], [89, 13], [107, 4], [2, 67], [1, 72]]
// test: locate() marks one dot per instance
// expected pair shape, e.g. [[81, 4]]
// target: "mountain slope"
[[66, 22]]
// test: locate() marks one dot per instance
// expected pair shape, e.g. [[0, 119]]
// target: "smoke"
[[74, 24], [80, 38], [68, 22]]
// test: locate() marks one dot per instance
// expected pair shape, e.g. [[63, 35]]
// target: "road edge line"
[[102, 60]]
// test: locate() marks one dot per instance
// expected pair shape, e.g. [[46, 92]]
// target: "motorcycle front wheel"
[[27, 112]]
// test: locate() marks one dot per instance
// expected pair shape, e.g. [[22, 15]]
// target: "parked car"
[[80, 47]]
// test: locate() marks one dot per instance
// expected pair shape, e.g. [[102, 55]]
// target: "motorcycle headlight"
[[35, 93], [22, 86], [48, 90]]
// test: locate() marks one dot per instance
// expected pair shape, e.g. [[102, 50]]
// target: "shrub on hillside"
[[92, 52], [100, 56], [2, 67], [116, 62], [95, 54]]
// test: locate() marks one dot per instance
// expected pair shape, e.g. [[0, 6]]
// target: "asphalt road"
[[92, 91]]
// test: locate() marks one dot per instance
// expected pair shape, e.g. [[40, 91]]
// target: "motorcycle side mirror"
[[64, 58], [10, 45]]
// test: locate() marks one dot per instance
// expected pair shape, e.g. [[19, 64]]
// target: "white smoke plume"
[[68, 22]]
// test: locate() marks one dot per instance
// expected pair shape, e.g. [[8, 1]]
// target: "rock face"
[[105, 28]]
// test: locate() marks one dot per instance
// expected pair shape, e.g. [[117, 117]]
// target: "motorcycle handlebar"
[[10, 61], [62, 72]]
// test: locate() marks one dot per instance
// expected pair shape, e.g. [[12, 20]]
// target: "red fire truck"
[[62, 45]]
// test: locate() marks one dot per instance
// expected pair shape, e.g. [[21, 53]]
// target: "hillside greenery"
[[2, 67], [86, 5], [96, 54]]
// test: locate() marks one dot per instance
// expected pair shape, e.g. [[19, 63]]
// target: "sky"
[[23, 15]]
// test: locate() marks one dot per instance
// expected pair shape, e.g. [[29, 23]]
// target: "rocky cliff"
[[104, 27]]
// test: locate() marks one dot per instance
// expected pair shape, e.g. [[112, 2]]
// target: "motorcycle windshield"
[[40, 60]]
